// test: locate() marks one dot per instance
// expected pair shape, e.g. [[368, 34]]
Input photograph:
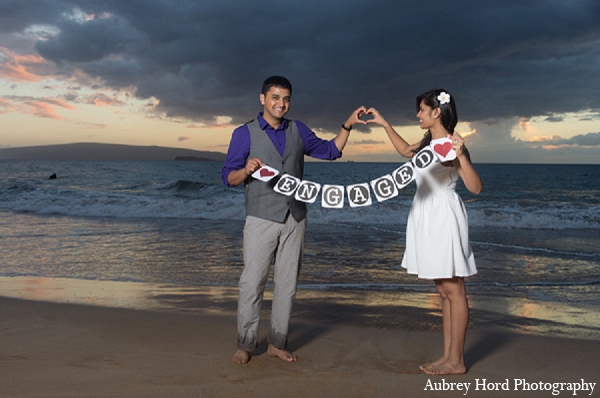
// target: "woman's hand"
[[463, 165], [458, 144], [377, 118]]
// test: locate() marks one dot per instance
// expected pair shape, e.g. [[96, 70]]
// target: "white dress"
[[437, 230]]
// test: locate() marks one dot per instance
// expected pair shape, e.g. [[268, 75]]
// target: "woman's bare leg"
[[446, 327], [456, 295]]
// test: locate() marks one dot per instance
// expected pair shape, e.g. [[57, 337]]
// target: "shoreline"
[[382, 309], [73, 350]]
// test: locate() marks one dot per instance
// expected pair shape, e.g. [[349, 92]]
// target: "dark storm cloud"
[[15, 15], [202, 59], [582, 140]]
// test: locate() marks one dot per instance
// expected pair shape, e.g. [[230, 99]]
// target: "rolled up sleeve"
[[316, 147], [237, 154]]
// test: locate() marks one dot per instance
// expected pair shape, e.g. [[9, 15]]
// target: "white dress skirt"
[[437, 230]]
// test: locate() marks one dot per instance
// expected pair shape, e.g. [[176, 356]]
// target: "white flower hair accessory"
[[444, 98]]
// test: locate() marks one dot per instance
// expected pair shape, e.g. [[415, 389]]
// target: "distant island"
[[107, 152], [192, 159]]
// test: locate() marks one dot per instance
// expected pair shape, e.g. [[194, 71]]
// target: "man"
[[275, 223]]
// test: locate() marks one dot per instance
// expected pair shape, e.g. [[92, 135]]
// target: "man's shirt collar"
[[264, 124]]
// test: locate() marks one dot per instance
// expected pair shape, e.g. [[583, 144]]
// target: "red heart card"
[[443, 149], [265, 173]]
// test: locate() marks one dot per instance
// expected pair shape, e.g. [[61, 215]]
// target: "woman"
[[437, 235]]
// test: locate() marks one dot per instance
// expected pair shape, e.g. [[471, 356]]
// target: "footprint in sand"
[[97, 363]]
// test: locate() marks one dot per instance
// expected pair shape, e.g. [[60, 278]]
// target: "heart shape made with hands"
[[366, 116], [443, 149], [266, 173]]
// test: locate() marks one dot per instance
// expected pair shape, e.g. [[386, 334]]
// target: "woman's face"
[[427, 116]]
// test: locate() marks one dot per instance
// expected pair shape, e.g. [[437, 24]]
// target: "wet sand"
[[59, 349]]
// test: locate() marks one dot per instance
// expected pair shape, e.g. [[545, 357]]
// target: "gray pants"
[[265, 241]]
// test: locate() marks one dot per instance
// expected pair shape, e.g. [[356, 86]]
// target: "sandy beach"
[[52, 349]]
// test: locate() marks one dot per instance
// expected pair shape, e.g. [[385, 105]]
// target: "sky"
[[525, 75]]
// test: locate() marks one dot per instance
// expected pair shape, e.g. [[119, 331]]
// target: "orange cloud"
[[40, 107], [526, 127], [543, 139], [101, 99], [5, 106], [23, 68], [553, 147]]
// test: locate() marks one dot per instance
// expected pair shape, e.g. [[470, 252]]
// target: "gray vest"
[[261, 200]]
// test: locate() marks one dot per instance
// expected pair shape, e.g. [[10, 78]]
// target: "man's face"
[[276, 103]]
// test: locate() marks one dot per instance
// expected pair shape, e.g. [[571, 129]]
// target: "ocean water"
[[535, 231]]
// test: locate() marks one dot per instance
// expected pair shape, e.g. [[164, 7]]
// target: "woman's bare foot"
[[281, 354], [446, 368], [241, 357], [435, 363]]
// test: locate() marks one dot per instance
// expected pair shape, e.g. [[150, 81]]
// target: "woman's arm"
[[463, 165], [404, 148]]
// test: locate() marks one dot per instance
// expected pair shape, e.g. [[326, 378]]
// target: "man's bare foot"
[[446, 368], [241, 357], [281, 354]]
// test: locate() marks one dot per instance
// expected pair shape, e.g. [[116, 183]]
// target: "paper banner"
[[404, 175], [307, 191], [443, 149], [424, 158], [384, 188], [287, 185], [359, 195], [332, 196], [265, 173]]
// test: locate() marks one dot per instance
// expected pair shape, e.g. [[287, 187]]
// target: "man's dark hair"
[[276, 81]]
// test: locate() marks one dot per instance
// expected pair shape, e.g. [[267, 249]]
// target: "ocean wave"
[[191, 199], [541, 216], [181, 186], [530, 249]]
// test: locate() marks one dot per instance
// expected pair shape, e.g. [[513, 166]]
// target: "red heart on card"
[[266, 173], [443, 149]]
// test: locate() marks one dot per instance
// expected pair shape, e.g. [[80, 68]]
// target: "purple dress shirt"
[[239, 147]]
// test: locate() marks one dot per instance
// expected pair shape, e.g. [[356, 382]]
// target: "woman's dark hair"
[[276, 81], [448, 112]]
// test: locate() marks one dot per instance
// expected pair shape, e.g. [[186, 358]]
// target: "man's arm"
[[342, 138], [328, 150], [234, 171], [236, 177]]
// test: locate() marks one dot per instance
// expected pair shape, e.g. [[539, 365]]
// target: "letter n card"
[[307, 191]]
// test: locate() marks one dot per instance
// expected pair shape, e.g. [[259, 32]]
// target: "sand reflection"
[[393, 309]]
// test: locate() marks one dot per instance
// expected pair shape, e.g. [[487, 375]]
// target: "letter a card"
[[265, 173], [359, 195]]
